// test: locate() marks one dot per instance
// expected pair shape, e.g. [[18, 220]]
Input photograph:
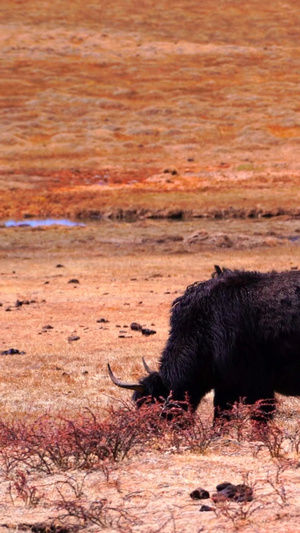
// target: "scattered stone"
[[60, 266], [199, 494], [147, 332], [135, 326], [12, 351], [19, 303], [173, 172], [238, 493], [72, 338], [205, 508], [223, 485], [244, 493], [73, 280], [48, 326], [102, 321]]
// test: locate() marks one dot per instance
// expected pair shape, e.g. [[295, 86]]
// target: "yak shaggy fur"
[[237, 333]]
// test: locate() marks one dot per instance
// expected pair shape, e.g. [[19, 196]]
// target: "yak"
[[237, 333]]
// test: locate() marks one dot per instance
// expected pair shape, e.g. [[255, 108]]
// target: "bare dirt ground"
[[172, 131]]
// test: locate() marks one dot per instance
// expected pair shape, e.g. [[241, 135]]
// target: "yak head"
[[149, 389]]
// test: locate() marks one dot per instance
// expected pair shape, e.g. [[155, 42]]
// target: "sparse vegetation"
[[66, 454]]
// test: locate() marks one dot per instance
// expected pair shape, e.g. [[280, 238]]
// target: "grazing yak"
[[237, 333]]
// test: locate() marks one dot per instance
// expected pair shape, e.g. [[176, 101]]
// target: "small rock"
[[223, 485], [72, 338], [135, 326], [12, 351], [19, 303], [73, 280], [205, 508], [244, 493], [102, 321], [48, 326], [199, 494], [59, 266], [228, 491], [146, 331]]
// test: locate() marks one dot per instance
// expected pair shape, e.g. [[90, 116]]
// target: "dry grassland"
[[172, 131], [64, 378]]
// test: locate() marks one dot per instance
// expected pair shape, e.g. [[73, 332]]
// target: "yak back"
[[270, 300], [236, 325]]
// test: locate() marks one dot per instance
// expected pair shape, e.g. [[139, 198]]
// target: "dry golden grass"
[[96, 97], [122, 283]]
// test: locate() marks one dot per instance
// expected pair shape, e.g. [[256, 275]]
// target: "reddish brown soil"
[[93, 98]]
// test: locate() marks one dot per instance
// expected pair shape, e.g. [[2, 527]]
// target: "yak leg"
[[264, 407], [225, 399]]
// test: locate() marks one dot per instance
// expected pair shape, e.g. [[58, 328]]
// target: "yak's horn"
[[146, 367], [131, 386]]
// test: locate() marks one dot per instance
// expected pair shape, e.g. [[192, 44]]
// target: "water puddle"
[[35, 223]]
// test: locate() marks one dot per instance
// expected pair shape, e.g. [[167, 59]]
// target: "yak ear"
[[131, 386], [146, 367], [217, 272]]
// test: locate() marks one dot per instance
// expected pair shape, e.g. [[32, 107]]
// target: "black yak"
[[237, 333]]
